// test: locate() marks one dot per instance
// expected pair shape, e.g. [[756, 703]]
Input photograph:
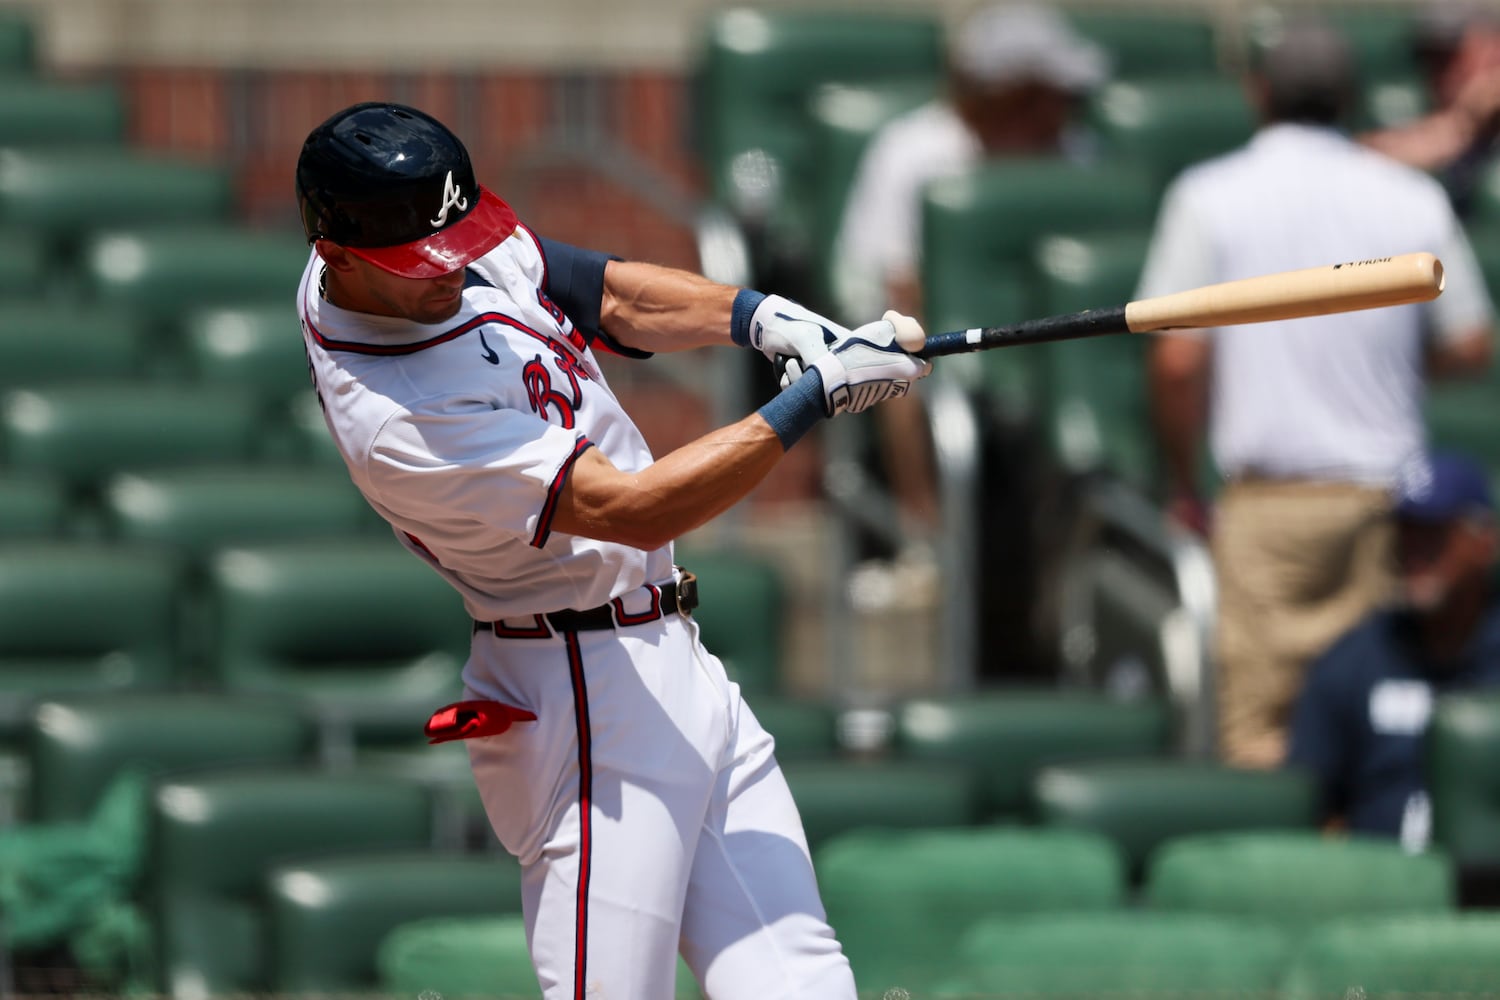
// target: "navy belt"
[[677, 597]]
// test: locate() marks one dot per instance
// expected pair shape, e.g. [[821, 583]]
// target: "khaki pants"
[[1298, 564]]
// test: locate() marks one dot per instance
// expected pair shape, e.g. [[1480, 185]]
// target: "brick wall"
[[554, 144]]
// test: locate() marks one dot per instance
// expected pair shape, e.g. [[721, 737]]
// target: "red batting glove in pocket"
[[464, 720]]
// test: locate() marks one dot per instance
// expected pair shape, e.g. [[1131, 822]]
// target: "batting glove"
[[781, 329], [868, 366]]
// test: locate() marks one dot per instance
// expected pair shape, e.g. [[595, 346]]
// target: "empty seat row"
[[84, 434], [355, 625], [159, 269], [191, 511], [1177, 955], [948, 881], [1108, 954], [245, 869], [358, 627]]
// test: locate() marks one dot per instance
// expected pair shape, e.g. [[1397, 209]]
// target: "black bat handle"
[[1071, 326]]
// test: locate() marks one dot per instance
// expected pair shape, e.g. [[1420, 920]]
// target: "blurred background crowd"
[[1162, 663]]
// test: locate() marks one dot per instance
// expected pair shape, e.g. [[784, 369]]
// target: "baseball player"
[[454, 353]]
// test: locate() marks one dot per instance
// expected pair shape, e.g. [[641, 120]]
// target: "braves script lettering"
[[536, 376]]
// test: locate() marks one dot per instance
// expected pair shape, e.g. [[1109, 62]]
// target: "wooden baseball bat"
[[1315, 291]]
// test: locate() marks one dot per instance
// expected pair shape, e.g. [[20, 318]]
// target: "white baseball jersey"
[[475, 496], [644, 802]]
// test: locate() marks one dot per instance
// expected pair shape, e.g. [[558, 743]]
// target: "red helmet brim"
[[476, 234]]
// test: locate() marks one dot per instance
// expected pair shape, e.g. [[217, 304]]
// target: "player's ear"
[[336, 256]]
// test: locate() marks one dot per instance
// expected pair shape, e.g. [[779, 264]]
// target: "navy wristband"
[[796, 409], [745, 304]]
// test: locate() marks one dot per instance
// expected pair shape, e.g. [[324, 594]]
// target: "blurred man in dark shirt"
[[1362, 718]]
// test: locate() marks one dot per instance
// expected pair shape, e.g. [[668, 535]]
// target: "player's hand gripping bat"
[[1315, 291]]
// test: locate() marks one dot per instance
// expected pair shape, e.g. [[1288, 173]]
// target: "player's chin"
[[438, 309]]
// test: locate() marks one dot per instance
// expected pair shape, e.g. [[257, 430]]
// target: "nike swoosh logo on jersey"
[[489, 352]]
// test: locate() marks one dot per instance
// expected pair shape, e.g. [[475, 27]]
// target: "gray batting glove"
[[868, 366], [782, 329]]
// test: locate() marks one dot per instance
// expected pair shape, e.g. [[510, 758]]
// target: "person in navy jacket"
[[1361, 721]]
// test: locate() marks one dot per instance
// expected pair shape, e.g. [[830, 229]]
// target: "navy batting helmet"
[[394, 186]]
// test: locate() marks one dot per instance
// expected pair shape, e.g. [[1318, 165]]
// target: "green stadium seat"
[[976, 223], [979, 233], [17, 43], [741, 614], [371, 637], [452, 957], [47, 343], [1486, 207], [1139, 805], [77, 617], [1005, 736], [1168, 124], [1465, 417], [1096, 393], [196, 511], [1296, 879], [1380, 36], [1387, 958], [470, 957], [166, 271], [64, 193], [1463, 768], [86, 433], [327, 918], [79, 744], [24, 272], [1152, 43], [1484, 237], [37, 112], [460, 819], [33, 507], [1461, 414], [1384, 103], [758, 68], [1119, 955], [307, 432], [803, 729], [900, 900], [845, 117], [214, 839], [258, 347], [836, 796]]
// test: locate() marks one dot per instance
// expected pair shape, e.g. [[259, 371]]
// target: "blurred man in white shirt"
[[1311, 422]]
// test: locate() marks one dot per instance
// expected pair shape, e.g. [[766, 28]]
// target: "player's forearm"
[[1179, 405], [693, 484], [681, 491], [659, 309], [1428, 144], [1463, 357]]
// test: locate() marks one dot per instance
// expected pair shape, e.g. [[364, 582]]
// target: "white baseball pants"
[[650, 816]]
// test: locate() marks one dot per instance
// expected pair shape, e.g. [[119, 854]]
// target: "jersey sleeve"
[[448, 471], [1180, 255], [1465, 304], [571, 279]]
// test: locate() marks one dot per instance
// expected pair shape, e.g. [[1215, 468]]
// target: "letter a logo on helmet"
[[452, 198], [366, 180]]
